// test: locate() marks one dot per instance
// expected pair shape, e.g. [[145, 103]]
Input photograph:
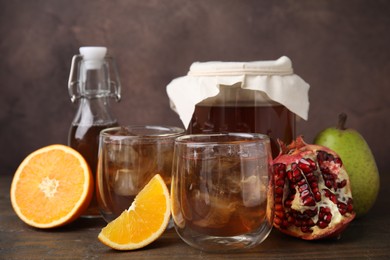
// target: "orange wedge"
[[143, 222], [51, 187]]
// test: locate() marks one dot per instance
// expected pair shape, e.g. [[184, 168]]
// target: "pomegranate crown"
[[293, 146]]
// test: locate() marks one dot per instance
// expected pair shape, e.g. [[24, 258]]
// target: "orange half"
[[51, 187], [143, 222]]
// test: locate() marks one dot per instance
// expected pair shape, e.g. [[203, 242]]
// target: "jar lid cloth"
[[275, 78]]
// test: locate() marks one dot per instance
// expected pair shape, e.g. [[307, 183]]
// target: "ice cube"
[[217, 212], [254, 191], [126, 182]]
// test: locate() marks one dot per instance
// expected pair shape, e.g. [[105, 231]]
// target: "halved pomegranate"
[[313, 197]]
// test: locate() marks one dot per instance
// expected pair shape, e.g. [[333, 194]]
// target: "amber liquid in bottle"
[[275, 121], [93, 81], [85, 139]]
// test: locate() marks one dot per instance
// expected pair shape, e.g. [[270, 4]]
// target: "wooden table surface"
[[365, 238]]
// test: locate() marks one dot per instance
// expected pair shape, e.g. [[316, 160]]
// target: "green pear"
[[358, 161]]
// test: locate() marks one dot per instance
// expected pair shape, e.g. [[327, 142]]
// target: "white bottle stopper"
[[93, 56]]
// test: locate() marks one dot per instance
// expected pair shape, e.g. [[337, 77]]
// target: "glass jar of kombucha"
[[248, 97]]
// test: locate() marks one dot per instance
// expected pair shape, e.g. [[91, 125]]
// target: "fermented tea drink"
[[222, 195], [128, 158], [243, 97], [216, 203], [275, 121]]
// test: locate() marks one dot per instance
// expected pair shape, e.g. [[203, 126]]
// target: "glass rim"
[[135, 131], [201, 139]]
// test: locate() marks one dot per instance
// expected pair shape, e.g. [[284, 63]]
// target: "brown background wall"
[[341, 48]]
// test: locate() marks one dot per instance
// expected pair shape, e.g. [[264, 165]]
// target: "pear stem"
[[342, 121]]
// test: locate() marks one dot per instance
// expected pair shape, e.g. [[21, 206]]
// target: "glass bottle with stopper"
[[93, 82]]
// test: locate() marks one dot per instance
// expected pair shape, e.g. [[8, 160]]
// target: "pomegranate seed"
[[349, 205], [309, 201], [289, 175], [280, 182], [304, 165], [329, 156], [342, 208], [329, 184], [305, 193], [327, 193], [322, 156], [278, 207], [303, 187], [279, 214], [317, 196], [280, 170], [278, 191], [338, 161], [341, 184], [285, 224], [322, 224], [293, 166], [301, 182], [331, 196], [288, 203], [328, 176], [310, 212], [277, 220], [312, 164], [296, 175], [306, 229], [327, 218], [298, 223], [310, 223], [310, 177]]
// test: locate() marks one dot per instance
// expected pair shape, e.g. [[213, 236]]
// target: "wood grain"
[[366, 238]]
